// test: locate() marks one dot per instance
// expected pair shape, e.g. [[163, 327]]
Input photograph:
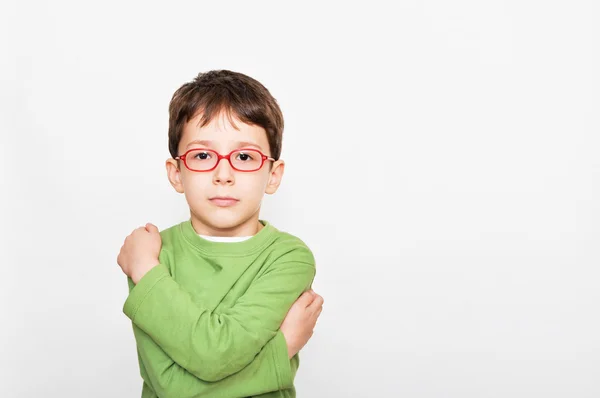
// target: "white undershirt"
[[225, 238]]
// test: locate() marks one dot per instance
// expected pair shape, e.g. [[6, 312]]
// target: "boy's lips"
[[223, 201]]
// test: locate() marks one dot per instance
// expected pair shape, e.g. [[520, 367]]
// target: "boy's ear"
[[174, 174], [275, 175]]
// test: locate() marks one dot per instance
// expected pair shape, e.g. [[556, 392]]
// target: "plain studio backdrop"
[[442, 164]]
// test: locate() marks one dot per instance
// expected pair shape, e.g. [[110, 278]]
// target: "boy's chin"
[[224, 219]]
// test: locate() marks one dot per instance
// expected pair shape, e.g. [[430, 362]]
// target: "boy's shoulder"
[[169, 234], [289, 247], [288, 238]]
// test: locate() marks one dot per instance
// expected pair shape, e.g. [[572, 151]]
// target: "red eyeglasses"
[[207, 160]]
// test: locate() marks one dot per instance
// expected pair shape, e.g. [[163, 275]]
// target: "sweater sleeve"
[[270, 370], [212, 345]]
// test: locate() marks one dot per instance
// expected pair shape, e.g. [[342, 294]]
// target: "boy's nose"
[[223, 173]]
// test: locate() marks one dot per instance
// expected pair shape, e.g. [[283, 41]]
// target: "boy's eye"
[[244, 157], [201, 155]]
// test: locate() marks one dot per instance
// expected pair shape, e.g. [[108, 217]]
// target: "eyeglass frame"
[[228, 157]]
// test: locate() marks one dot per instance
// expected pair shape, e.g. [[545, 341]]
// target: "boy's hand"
[[139, 253], [298, 325]]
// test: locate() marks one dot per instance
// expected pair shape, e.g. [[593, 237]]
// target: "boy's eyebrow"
[[199, 142], [239, 144]]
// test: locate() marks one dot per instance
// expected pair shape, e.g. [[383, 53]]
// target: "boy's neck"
[[249, 228]]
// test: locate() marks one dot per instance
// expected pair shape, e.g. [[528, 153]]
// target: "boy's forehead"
[[221, 134]]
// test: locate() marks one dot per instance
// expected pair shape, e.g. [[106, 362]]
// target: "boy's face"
[[210, 215]]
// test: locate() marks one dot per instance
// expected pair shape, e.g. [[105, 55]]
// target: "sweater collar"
[[229, 249]]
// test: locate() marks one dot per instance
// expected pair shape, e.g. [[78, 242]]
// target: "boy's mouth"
[[223, 201]]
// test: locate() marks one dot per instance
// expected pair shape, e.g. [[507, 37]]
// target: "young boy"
[[217, 302]]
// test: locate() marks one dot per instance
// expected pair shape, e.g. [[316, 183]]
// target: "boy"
[[217, 302]]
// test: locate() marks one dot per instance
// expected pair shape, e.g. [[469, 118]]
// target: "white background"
[[442, 163]]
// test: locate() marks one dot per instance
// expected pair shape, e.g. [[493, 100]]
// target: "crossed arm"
[[188, 350], [212, 345], [168, 379]]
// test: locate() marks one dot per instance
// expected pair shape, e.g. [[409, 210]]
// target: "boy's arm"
[[270, 370], [213, 345]]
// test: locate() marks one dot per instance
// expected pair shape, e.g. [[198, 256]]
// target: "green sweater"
[[206, 319]]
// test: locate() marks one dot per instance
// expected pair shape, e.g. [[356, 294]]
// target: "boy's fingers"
[[306, 299], [151, 227], [317, 303], [318, 313]]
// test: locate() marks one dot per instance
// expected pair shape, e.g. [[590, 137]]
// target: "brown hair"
[[223, 90]]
